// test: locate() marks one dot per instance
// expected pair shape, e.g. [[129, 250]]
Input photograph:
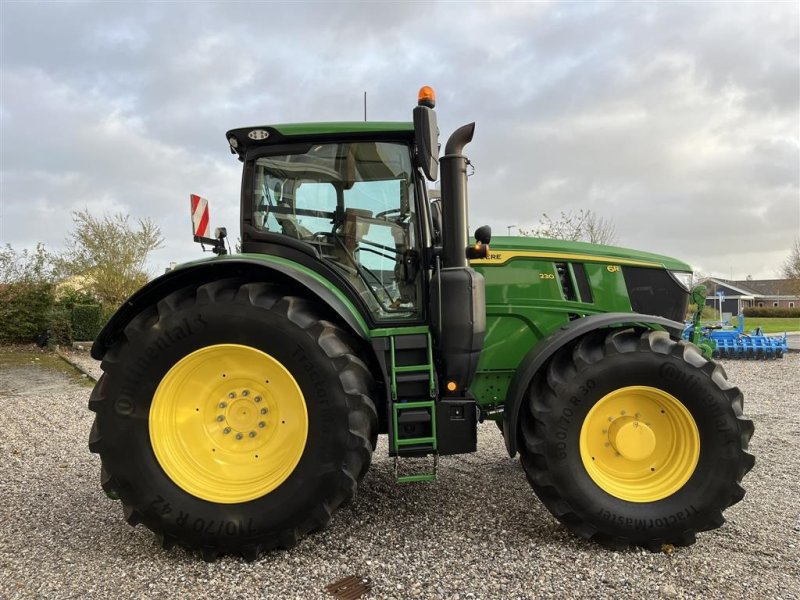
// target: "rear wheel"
[[233, 419], [633, 438]]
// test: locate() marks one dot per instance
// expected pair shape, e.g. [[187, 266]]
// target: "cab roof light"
[[426, 97]]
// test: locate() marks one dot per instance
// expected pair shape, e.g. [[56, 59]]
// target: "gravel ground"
[[478, 532]]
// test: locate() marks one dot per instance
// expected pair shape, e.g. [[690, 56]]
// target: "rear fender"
[[267, 268], [538, 356]]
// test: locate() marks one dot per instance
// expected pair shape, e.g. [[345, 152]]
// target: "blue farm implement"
[[735, 343], [719, 342]]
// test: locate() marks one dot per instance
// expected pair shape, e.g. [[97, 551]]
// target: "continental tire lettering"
[[153, 352], [669, 371]]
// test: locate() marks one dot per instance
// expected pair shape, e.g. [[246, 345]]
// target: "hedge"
[[25, 311], [86, 322], [59, 327], [30, 313], [771, 312]]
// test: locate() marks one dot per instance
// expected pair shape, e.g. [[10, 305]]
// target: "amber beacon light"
[[426, 97]]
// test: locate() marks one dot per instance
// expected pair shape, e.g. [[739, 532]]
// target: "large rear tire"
[[632, 438], [233, 419]]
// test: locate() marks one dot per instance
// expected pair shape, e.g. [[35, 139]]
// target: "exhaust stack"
[[454, 197]]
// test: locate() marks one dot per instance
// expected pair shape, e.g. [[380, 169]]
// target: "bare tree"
[[791, 266], [108, 254], [584, 225], [598, 230]]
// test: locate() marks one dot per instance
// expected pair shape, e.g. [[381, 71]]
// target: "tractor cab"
[[354, 204]]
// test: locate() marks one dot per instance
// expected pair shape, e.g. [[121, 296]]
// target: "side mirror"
[[426, 134], [483, 234]]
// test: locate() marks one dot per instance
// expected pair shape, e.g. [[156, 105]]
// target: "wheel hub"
[[242, 415], [632, 438]]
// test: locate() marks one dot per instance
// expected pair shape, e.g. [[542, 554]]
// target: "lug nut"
[[223, 404], [220, 418], [264, 411], [252, 434], [227, 430], [245, 393], [262, 424], [258, 398], [232, 395], [239, 436]]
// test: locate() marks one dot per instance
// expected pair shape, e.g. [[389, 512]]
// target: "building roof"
[[762, 288], [772, 287]]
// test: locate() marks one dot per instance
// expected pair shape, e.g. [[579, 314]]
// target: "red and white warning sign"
[[199, 216]]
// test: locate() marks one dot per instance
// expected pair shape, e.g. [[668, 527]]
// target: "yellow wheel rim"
[[639, 444], [228, 423]]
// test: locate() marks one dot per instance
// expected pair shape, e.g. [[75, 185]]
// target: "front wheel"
[[233, 418], [633, 438]]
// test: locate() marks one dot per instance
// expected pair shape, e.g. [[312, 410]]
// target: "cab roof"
[[243, 139]]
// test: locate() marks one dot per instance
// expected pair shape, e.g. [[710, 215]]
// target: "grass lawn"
[[770, 324]]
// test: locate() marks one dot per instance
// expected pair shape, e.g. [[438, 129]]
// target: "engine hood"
[[504, 248]]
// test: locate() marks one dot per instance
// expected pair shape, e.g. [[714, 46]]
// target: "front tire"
[[233, 419], [632, 438]]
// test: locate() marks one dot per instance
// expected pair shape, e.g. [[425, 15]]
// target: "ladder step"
[[416, 441], [416, 477], [412, 377], [414, 416], [412, 368]]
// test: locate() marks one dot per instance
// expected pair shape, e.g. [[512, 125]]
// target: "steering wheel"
[[386, 213]]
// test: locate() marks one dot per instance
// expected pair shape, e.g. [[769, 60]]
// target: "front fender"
[[538, 356], [261, 268]]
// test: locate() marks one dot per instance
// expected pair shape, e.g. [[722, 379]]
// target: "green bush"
[[25, 309], [59, 327], [107, 311], [771, 312], [69, 298], [86, 321]]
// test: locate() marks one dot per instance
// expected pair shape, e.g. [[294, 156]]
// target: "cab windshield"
[[354, 202]]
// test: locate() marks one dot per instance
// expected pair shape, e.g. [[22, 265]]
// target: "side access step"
[[416, 477], [414, 435]]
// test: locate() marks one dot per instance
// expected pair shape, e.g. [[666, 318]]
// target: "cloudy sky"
[[678, 121]]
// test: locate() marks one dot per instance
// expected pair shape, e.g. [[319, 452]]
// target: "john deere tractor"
[[243, 394]]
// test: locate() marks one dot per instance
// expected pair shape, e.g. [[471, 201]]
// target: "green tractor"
[[243, 395]]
